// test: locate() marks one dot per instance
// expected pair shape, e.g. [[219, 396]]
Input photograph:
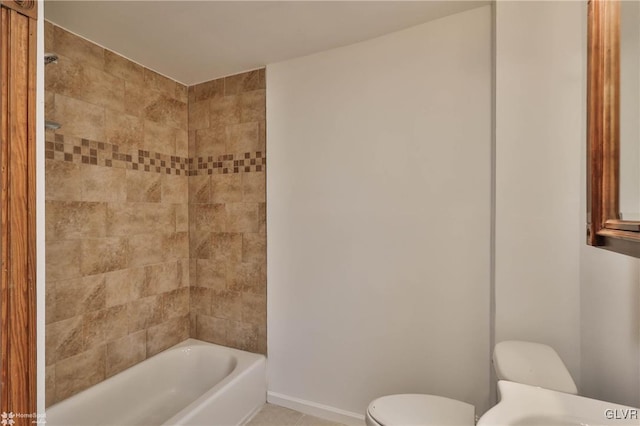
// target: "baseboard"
[[315, 409]]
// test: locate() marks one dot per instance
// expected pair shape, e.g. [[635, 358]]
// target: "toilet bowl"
[[523, 362]]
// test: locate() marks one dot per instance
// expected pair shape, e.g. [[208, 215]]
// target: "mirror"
[[630, 110], [607, 227], [613, 184]]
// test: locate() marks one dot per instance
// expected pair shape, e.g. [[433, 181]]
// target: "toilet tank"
[[532, 364]]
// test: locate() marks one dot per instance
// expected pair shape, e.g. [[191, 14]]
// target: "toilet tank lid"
[[532, 364], [421, 410]]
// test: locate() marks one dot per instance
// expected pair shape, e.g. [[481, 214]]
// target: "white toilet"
[[523, 362]]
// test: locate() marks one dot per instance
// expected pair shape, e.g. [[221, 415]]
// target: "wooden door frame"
[[18, 23]]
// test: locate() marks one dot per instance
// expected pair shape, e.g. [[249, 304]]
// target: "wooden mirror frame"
[[605, 228]]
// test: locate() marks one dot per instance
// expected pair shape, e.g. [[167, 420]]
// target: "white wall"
[[610, 326], [550, 286], [610, 292], [378, 211], [540, 132]]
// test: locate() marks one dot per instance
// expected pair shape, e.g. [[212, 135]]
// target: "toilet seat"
[[419, 410]]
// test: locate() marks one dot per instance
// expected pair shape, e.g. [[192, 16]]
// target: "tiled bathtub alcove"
[[155, 213]]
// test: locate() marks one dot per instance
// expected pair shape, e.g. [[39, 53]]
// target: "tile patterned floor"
[[273, 415]]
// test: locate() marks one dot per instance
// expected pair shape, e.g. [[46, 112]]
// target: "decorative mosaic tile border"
[[228, 163], [85, 151]]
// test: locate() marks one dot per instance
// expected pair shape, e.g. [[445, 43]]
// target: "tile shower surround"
[[143, 173]]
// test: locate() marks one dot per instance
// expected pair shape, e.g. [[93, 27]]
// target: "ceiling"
[[196, 41]]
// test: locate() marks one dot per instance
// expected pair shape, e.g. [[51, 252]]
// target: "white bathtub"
[[192, 383]]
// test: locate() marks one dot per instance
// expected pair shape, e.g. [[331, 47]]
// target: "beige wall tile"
[[224, 111], [80, 372], [182, 217], [175, 246], [208, 90], [167, 334], [104, 326], [182, 143], [192, 144], [211, 274], [143, 187], [182, 93], [211, 142], [50, 302], [50, 385], [209, 217], [226, 188], [243, 336], [121, 67], [164, 109], [226, 247], [63, 339], [123, 130], [49, 104], [199, 115], [262, 338], [210, 329], [244, 82], [262, 218], [242, 217], [252, 106], [254, 248], [103, 255], [184, 272], [75, 220], [63, 259], [123, 286], [254, 308], [246, 277], [200, 300], [48, 36], [75, 47], [199, 189], [263, 134], [145, 249], [144, 313], [175, 189], [103, 183], [80, 81], [135, 97], [159, 137], [193, 329], [125, 352], [160, 278], [175, 303], [199, 244], [254, 187], [243, 137], [63, 181], [81, 119], [155, 81], [227, 304], [139, 218], [79, 296]]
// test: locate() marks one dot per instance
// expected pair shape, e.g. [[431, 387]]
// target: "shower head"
[[50, 58], [51, 125]]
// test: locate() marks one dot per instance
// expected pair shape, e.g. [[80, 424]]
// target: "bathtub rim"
[[245, 362]]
